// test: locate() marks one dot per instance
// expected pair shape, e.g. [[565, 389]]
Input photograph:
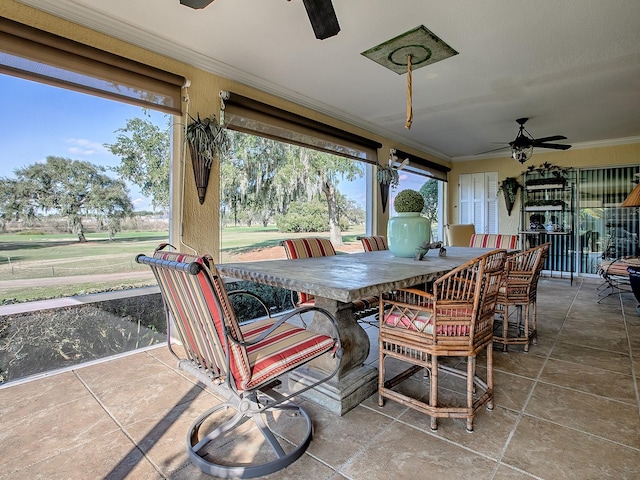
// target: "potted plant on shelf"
[[407, 231], [509, 188], [207, 140]]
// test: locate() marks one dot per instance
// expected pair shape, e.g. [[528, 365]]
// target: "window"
[[477, 201]]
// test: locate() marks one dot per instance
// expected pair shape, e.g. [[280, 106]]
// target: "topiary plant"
[[408, 201]]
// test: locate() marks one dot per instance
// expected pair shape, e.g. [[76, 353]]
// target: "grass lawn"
[[30, 256]]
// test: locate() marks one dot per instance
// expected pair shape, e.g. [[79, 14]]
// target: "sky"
[[38, 120]]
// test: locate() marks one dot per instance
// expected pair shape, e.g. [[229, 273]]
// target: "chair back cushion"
[[459, 235], [374, 243], [197, 299], [307, 248], [491, 240]]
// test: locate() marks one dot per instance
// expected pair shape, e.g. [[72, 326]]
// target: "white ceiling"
[[571, 66]]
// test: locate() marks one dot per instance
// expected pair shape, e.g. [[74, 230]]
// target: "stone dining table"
[[336, 281]]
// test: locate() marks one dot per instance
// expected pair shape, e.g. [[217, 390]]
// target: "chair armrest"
[[288, 316]]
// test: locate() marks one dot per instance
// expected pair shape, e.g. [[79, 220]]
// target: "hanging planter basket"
[[207, 140], [509, 188]]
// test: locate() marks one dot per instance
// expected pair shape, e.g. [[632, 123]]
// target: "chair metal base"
[[276, 459]]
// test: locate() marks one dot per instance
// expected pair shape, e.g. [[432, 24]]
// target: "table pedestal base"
[[338, 395]]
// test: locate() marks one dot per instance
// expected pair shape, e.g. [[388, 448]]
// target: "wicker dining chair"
[[374, 243], [309, 247], [241, 363], [520, 289], [454, 320]]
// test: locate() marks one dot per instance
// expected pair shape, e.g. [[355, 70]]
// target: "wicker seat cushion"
[[422, 323], [293, 345]]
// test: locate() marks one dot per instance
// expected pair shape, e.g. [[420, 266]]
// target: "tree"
[[145, 153], [429, 192], [72, 189]]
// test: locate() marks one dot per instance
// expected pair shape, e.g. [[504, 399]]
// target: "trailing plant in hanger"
[[509, 188], [207, 140], [388, 177]]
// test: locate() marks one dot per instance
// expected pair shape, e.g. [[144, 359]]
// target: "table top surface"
[[352, 276]]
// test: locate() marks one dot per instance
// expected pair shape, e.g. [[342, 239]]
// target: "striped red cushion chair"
[[615, 275], [493, 240], [241, 363], [321, 247], [454, 320], [374, 243]]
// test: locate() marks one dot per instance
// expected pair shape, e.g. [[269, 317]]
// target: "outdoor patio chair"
[[520, 289], [455, 320], [374, 243], [615, 275], [321, 247], [242, 364], [493, 240], [459, 235]]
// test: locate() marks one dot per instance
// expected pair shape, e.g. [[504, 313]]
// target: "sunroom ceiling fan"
[[524, 143], [321, 15]]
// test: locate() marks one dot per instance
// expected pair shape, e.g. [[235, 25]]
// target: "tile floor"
[[568, 409]]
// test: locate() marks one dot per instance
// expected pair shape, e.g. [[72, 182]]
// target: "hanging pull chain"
[[407, 125]]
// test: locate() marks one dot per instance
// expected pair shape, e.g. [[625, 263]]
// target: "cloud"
[[81, 146]]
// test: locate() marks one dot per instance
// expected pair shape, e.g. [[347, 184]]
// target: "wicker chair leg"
[[505, 328], [471, 374], [490, 375], [534, 327], [433, 393]]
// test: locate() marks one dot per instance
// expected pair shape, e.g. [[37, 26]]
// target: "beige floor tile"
[[589, 379], [511, 391], [159, 434], [31, 397], [553, 452], [336, 439], [401, 452], [507, 473], [46, 433], [118, 387], [594, 357], [490, 429], [111, 456], [526, 365], [585, 412]]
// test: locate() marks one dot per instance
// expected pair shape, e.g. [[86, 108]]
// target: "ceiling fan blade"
[[494, 150], [554, 146], [322, 17], [549, 139], [195, 3]]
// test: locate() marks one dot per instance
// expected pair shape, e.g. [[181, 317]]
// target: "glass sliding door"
[[604, 227]]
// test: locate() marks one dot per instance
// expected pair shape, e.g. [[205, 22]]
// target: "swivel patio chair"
[[374, 243], [520, 289], [321, 247], [455, 320], [242, 364]]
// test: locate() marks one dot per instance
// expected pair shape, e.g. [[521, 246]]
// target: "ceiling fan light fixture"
[[521, 153]]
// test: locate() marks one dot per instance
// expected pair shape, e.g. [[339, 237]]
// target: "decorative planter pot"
[[406, 232]]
